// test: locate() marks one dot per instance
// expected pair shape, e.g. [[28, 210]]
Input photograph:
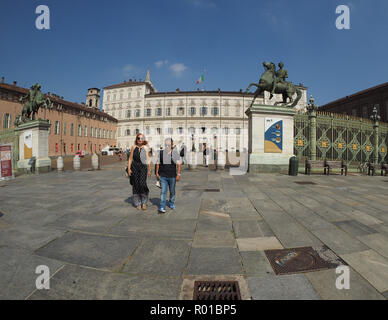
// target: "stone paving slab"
[[324, 283], [288, 287], [214, 239], [370, 265], [28, 237], [90, 250], [17, 270], [378, 242], [256, 264], [215, 261], [258, 244], [78, 283], [339, 241], [251, 229], [159, 257]]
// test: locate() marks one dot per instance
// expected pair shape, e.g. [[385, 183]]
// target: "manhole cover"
[[304, 182], [216, 290], [286, 261], [212, 190]]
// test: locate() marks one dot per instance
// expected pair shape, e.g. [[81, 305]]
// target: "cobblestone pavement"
[[98, 246]]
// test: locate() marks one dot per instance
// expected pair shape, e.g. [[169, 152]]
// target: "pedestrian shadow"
[[154, 201]]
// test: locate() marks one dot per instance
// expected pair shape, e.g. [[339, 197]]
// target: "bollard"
[[95, 162], [77, 163], [60, 164], [293, 166], [221, 160], [192, 160]]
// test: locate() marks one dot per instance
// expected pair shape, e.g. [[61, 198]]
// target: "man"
[[168, 171], [281, 76]]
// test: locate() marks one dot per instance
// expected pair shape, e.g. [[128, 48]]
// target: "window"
[[108, 97], [158, 130], [86, 131], [90, 102], [168, 112], [238, 131], [137, 131], [192, 130], [7, 121], [57, 128], [64, 128], [214, 130], [64, 148], [79, 130], [226, 130], [137, 114], [180, 111], [128, 132], [148, 112], [72, 130], [128, 113], [169, 130], [159, 112], [215, 111], [148, 131], [180, 130], [204, 111], [91, 132], [192, 111], [203, 129]]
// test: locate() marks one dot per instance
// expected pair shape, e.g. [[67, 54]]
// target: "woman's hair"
[[144, 142]]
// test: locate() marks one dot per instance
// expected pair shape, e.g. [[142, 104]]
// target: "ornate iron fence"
[[11, 136], [340, 137]]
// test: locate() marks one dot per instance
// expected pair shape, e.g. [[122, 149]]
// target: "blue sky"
[[99, 43]]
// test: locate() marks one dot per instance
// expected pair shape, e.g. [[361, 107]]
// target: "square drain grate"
[[216, 290], [305, 259], [304, 182]]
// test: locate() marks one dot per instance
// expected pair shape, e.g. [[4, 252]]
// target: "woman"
[[138, 163]]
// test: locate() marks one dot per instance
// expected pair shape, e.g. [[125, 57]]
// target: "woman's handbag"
[[129, 176]]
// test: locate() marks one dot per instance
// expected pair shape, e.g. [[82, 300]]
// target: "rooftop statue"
[[275, 82], [34, 100]]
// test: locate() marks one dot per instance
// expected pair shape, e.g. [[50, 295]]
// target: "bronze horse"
[[266, 82]]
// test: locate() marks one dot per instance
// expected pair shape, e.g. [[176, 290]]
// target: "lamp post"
[[312, 110], [375, 118]]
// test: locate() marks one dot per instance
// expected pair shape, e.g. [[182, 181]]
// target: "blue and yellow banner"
[[273, 137]]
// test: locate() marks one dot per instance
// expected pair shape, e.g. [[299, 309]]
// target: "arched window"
[[90, 102], [7, 121], [79, 130], [86, 131]]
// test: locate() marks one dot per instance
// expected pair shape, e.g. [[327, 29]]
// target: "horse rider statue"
[[275, 82]]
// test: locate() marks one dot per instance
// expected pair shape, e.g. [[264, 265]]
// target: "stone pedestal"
[[33, 147], [270, 151]]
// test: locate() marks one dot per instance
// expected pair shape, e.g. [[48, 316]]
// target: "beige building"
[[214, 117], [73, 126]]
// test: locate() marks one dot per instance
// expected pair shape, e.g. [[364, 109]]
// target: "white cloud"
[[161, 63], [178, 68], [128, 70]]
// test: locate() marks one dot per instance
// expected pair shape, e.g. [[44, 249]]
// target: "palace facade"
[[361, 104], [73, 126], [191, 117]]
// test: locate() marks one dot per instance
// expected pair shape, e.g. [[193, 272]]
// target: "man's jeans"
[[165, 184]]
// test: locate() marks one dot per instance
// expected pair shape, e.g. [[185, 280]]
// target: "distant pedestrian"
[[206, 154], [183, 153], [168, 171], [138, 164]]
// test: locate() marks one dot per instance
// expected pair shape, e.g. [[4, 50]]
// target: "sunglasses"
[[139, 138]]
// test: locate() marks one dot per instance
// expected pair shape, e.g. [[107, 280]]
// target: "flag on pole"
[[202, 77]]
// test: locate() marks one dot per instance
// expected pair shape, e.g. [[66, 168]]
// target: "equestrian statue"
[[34, 100], [275, 82]]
